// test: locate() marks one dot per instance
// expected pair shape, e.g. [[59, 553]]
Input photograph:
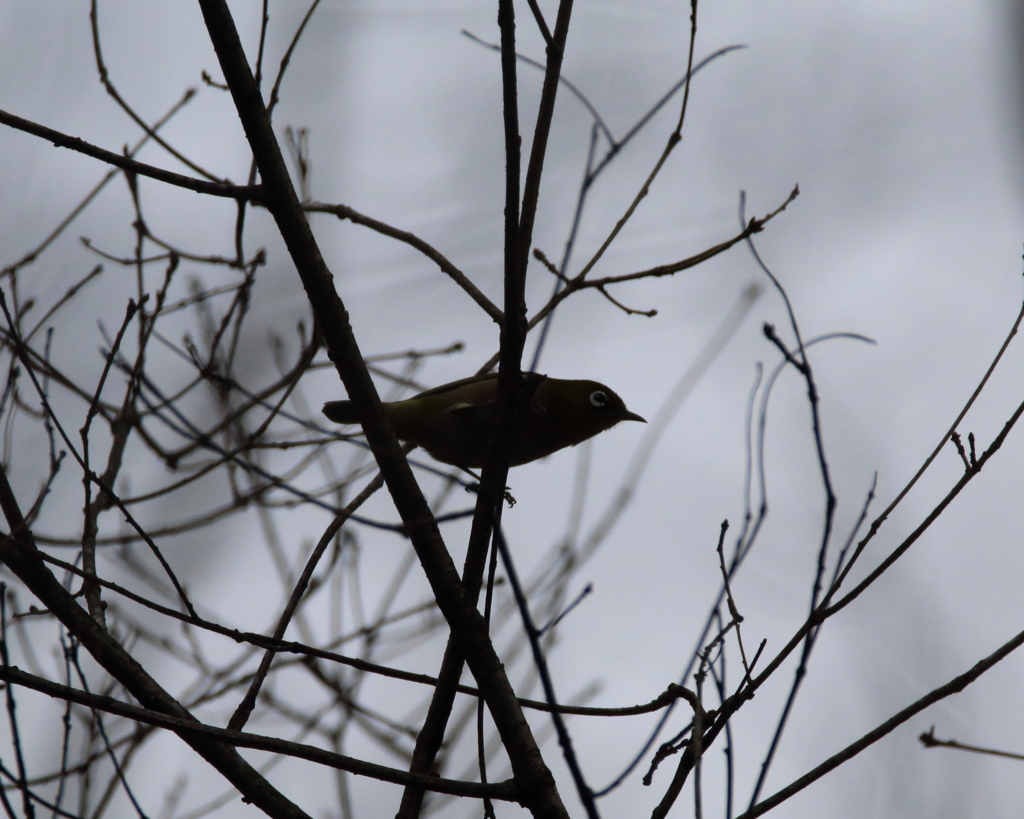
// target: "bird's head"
[[581, 409]]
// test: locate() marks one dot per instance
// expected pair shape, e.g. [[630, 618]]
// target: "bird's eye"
[[598, 399]]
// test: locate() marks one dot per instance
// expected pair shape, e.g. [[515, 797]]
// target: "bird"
[[454, 422]]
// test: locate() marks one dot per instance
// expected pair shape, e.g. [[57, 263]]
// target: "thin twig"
[[456, 275], [929, 741], [244, 709]]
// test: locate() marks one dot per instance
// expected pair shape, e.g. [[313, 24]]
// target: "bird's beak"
[[632, 416]]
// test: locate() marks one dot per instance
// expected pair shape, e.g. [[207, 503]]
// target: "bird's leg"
[[474, 487]]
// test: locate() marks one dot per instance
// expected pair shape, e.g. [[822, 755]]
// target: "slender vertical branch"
[[19, 755], [545, 113], [92, 509], [540, 661]]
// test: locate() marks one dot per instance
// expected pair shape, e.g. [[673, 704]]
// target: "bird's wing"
[[475, 392], [478, 388]]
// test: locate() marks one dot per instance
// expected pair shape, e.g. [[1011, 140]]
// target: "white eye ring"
[[598, 399]]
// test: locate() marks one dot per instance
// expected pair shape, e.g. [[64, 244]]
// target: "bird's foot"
[[475, 489]]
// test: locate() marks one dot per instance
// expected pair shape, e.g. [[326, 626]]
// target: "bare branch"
[[456, 275], [248, 193]]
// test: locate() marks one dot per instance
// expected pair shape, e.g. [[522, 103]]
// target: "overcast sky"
[[901, 124]]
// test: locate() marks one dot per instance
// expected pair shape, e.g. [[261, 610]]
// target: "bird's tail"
[[341, 412]]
